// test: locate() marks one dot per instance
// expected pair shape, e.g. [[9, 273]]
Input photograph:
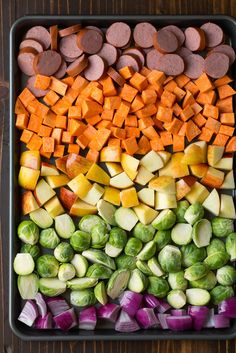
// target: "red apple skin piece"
[[61, 163], [76, 164], [49, 166], [67, 197], [30, 159], [190, 180], [28, 203]]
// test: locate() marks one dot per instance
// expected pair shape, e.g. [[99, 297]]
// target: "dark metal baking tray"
[[18, 29]]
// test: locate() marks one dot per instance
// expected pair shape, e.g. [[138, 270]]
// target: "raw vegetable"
[[126, 261], [144, 268], [181, 234], [221, 321], [116, 243], [182, 206], [125, 218], [99, 257], [51, 287], [80, 240], [199, 315], [146, 318], [47, 266], [177, 280], [196, 271], [179, 323], [87, 223], [28, 232], [162, 238], [88, 318], [158, 286], [99, 236], [221, 227], [144, 232], [196, 296], [163, 320], [220, 293], [66, 320], [23, 264], [99, 271], [112, 251], [28, 286], [64, 252], [147, 251], [150, 301], [80, 264], [107, 211], [108, 311], [192, 254], [226, 275], [43, 323], [57, 305], [130, 302], [83, 297], [133, 246], [117, 283], [178, 312], [227, 308], [170, 259], [48, 238], [216, 260], [176, 298], [64, 226], [207, 282], [100, 293], [138, 281], [165, 220], [230, 245], [81, 283], [125, 323], [66, 272], [41, 304], [194, 213], [33, 250], [42, 218], [155, 267], [29, 313], [202, 233]]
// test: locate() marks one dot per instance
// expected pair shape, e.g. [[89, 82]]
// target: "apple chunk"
[[195, 153], [214, 154], [28, 203], [97, 174], [81, 208], [48, 169], [198, 193], [56, 181], [54, 207], [67, 197], [147, 196], [114, 168], [80, 185], [213, 178], [212, 203], [182, 189], [112, 195], [227, 208], [175, 168], [43, 192], [121, 181], [145, 213], [152, 161], [30, 159], [225, 163], [28, 178], [129, 197], [143, 176], [228, 182], [130, 165], [165, 156], [94, 194], [165, 184], [199, 170], [76, 164], [164, 201]]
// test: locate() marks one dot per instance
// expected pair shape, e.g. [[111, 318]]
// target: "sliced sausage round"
[[138, 53], [90, 41], [194, 39], [95, 69], [115, 76], [165, 41], [184, 52], [26, 59], [171, 64], [69, 30], [194, 66], [69, 47], [54, 35], [68, 60], [40, 34], [213, 33], [95, 29], [127, 60], [216, 65], [109, 53], [177, 32], [62, 70], [225, 49], [118, 34], [47, 62], [143, 34], [152, 59], [77, 66], [36, 92], [31, 43]]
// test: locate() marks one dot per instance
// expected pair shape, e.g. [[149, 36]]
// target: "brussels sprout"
[[155, 267], [133, 246], [80, 240], [125, 261], [66, 272], [197, 296], [182, 206], [28, 286], [48, 238], [23, 264], [162, 238], [51, 287], [165, 220], [158, 286], [216, 260], [194, 213], [47, 266], [99, 271], [143, 267], [80, 264], [64, 226], [196, 271], [28, 232], [177, 281], [117, 283], [231, 246], [202, 233], [221, 227], [99, 257], [87, 223], [226, 275], [41, 218], [100, 293], [81, 283], [220, 293], [192, 254], [176, 298], [215, 246], [33, 250], [64, 252], [207, 282], [99, 236], [144, 232], [170, 259], [138, 281], [112, 251], [83, 297], [147, 251], [118, 237], [181, 234]]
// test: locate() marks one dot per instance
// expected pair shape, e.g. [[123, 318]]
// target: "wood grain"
[[9, 11]]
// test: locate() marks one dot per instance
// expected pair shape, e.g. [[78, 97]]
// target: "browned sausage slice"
[[184, 52], [77, 66], [194, 66], [54, 35], [36, 92], [62, 70], [90, 41], [31, 43], [177, 32], [143, 34], [109, 53], [68, 60], [194, 39], [216, 65], [213, 33], [116, 76], [26, 59], [69, 47], [95, 69], [227, 50], [171, 64], [95, 29], [69, 30], [165, 41], [152, 59], [127, 60], [40, 34], [47, 62], [138, 53], [118, 34]]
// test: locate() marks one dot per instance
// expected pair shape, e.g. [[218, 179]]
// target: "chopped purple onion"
[[228, 307], [57, 305], [179, 323], [163, 306], [29, 313], [221, 321], [44, 323], [199, 316], [162, 319], [178, 312], [210, 319], [126, 323], [150, 301], [88, 318], [108, 311], [66, 320], [130, 302], [42, 307], [146, 318]]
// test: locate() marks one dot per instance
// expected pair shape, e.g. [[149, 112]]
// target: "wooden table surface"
[[10, 10]]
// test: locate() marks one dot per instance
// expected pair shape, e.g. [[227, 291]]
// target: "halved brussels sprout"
[[192, 254], [221, 227], [99, 257], [28, 232], [80, 264], [197, 296], [124, 261], [176, 298], [181, 233], [207, 282], [83, 297], [51, 287], [158, 286], [138, 281], [202, 232], [165, 220], [87, 223], [215, 246], [64, 252], [28, 286], [33, 250], [99, 271], [47, 266], [117, 283], [99, 236], [133, 246], [226, 275], [64, 226], [100, 293], [177, 281], [162, 238], [216, 260], [80, 240], [170, 259], [118, 237], [220, 293], [182, 207], [66, 272], [81, 283], [48, 238], [143, 267], [147, 251], [144, 232], [196, 271], [231, 246], [23, 264], [194, 213]]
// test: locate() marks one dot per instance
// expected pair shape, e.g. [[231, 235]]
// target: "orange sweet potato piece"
[[227, 119], [225, 91], [97, 95], [192, 87], [211, 111], [213, 125], [182, 80], [175, 126], [48, 144], [147, 111], [22, 121], [57, 135], [131, 145], [208, 97], [220, 140], [73, 148], [107, 114], [34, 123], [225, 105], [67, 138], [150, 133], [131, 120], [206, 134], [231, 145], [26, 97], [50, 119], [167, 99], [149, 96], [79, 84], [138, 81], [74, 112], [20, 108], [182, 130], [93, 120], [204, 83], [44, 131], [90, 132], [137, 104], [61, 121], [68, 80], [108, 87], [133, 131], [113, 141], [226, 130], [187, 113], [82, 141], [92, 156], [127, 72], [34, 143], [58, 86], [89, 109], [111, 103], [199, 120], [192, 130], [188, 99], [156, 144], [118, 133], [178, 143], [26, 136], [164, 114], [166, 138], [128, 93], [100, 140], [76, 127], [59, 151], [222, 81], [179, 93], [51, 98], [145, 123], [42, 82], [143, 146]]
